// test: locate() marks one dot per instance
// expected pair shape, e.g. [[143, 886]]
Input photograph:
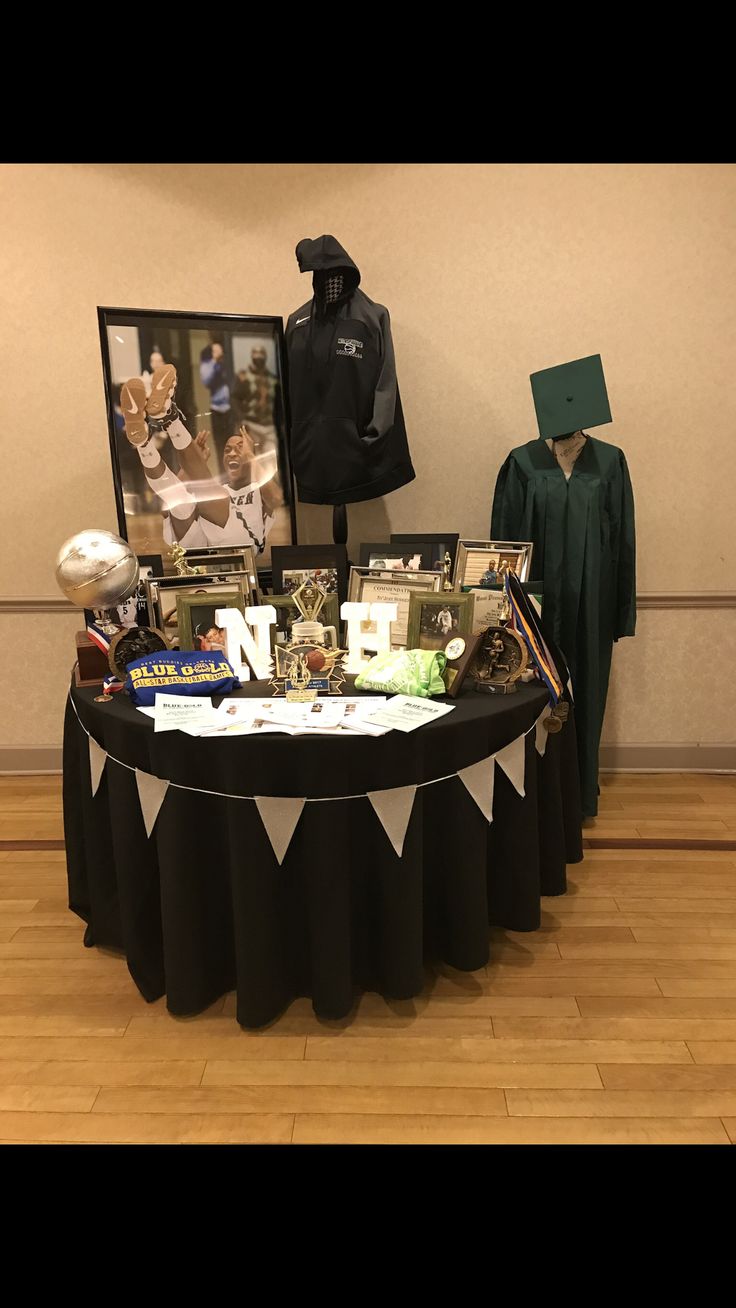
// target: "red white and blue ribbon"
[[111, 684], [98, 637]]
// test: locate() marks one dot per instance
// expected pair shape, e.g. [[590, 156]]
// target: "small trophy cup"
[[310, 600]]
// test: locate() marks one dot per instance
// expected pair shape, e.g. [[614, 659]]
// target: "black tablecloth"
[[203, 907]]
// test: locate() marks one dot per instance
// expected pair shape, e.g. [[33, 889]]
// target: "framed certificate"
[[373, 585]]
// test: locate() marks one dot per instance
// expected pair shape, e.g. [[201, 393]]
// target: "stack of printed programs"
[[329, 716]]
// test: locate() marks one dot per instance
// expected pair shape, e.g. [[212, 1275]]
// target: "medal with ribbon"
[[526, 624]]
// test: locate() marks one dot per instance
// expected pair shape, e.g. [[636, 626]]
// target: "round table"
[[203, 907]]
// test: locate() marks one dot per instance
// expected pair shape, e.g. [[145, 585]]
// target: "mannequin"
[[570, 494], [348, 438], [566, 450]]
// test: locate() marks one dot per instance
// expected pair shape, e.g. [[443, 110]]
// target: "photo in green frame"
[[198, 629], [435, 620]]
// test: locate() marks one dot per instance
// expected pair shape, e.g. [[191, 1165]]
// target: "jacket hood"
[[325, 255]]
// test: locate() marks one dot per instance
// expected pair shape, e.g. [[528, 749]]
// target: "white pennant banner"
[[541, 734], [478, 781], [279, 817], [151, 793], [511, 759], [393, 809], [97, 761]]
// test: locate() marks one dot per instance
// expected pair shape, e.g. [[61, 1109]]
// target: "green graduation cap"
[[570, 397]]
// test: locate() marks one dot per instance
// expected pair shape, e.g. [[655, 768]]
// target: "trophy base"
[[495, 687], [81, 682], [92, 664]]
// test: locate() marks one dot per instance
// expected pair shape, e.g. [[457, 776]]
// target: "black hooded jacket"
[[348, 439]]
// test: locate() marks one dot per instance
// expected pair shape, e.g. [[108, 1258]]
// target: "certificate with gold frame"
[[376, 586]]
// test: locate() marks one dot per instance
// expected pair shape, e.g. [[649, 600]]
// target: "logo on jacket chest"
[[348, 346]]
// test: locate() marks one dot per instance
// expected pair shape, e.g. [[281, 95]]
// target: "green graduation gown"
[[584, 552]]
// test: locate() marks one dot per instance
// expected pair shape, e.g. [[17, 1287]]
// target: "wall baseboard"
[[29, 759], [686, 757]]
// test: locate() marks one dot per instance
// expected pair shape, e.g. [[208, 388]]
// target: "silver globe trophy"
[[96, 570]]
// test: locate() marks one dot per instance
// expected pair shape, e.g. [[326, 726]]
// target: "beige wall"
[[490, 272]]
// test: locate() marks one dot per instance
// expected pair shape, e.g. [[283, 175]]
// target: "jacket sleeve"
[[384, 399], [508, 503], [625, 617]]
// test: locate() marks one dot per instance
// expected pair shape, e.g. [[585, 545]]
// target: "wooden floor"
[[615, 1023]]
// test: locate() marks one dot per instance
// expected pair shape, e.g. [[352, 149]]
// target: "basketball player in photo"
[[198, 509]]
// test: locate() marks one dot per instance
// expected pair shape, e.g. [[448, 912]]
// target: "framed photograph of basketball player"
[[133, 612], [326, 564], [435, 621], [197, 414], [163, 596]]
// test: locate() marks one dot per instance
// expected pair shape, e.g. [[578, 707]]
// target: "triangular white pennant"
[[151, 793], [511, 759], [393, 809], [541, 733], [478, 780], [279, 816], [97, 761]]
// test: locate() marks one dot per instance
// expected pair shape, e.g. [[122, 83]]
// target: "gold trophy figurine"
[[300, 676], [446, 568], [178, 556]]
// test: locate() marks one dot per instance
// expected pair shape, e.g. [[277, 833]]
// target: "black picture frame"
[[182, 339], [307, 558], [446, 542], [153, 561], [382, 551]]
